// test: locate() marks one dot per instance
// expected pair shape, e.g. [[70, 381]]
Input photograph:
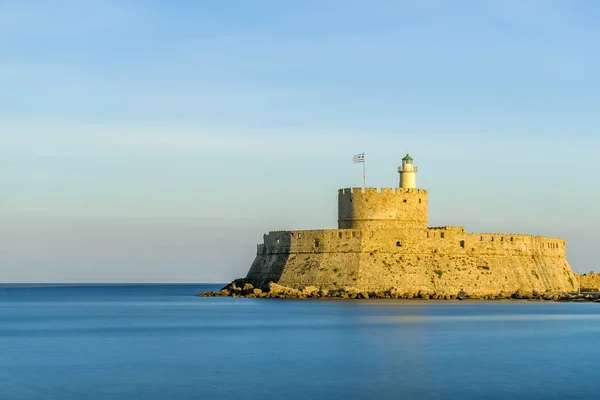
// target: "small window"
[[491, 239], [419, 201], [502, 238], [299, 236], [442, 235], [399, 243], [427, 234], [480, 238], [404, 201], [511, 239], [353, 234], [316, 242], [340, 235], [462, 244], [277, 241]]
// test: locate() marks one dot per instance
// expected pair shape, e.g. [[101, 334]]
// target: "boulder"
[[310, 290], [247, 289], [462, 295], [275, 288]]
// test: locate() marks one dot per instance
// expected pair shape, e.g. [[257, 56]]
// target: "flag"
[[359, 158]]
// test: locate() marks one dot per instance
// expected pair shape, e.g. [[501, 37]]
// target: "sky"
[[155, 141]]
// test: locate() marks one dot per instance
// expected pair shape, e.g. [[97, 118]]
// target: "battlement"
[[458, 229], [386, 190], [453, 240]]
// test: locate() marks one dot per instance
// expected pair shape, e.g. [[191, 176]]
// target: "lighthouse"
[[408, 173]]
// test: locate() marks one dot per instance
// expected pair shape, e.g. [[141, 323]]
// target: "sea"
[[162, 342]]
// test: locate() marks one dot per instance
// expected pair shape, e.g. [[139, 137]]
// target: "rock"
[[310, 290], [236, 290], [243, 288], [247, 289], [521, 294]]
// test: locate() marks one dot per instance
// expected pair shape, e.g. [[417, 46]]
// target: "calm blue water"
[[162, 342]]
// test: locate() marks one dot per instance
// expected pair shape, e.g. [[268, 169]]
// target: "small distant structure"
[[383, 242], [589, 282]]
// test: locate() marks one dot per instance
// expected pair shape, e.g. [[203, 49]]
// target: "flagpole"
[[364, 174], [360, 158]]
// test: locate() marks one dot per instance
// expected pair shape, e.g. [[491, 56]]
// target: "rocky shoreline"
[[242, 288]]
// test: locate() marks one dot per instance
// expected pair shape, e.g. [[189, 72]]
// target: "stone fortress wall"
[[442, 260], [384, 242]]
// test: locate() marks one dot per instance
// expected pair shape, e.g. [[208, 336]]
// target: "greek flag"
[[359, 158]]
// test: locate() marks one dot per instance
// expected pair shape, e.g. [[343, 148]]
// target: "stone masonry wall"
[[384, 209], [441, 260]]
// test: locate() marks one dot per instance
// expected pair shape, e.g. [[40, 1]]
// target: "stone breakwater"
[[242, 288]]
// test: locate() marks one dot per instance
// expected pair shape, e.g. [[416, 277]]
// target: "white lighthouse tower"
[[408, 173]]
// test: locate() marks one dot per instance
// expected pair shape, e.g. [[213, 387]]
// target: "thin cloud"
[[62, 17], [52, 137]]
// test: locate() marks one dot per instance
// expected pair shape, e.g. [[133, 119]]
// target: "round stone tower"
[[408, 173]]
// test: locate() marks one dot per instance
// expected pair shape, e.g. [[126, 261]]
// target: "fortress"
[[383, 242]]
